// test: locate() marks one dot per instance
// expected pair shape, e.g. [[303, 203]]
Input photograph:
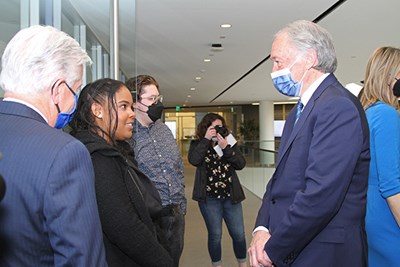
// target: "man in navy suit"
[[49, 215], [313, 210]]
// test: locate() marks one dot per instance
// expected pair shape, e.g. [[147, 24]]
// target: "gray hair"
[[38, 56], [309, 35]]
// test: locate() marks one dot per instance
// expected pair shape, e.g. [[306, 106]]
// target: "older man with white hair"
[[49, 215]]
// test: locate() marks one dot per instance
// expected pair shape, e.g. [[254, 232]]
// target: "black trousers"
[[171, 226]]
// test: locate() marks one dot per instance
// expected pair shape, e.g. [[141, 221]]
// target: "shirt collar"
[[137, 123], [11, 99], [313, 87]]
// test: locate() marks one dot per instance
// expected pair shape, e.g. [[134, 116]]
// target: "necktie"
[[299, 108]]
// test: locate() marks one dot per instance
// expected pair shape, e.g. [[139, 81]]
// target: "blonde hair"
[[382, 68]]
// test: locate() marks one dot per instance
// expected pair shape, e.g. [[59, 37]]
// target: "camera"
[[221, 130]]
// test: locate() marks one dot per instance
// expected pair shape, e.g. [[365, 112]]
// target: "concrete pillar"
[[267, 139]]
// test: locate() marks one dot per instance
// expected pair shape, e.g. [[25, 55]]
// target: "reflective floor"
[[195, 252]]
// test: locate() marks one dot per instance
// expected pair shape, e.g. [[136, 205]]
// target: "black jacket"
[[232, 155], [129, 234]]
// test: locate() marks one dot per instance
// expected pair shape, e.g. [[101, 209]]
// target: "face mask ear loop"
[[298, 57], [304, 75], [141, 110], [143, 104]]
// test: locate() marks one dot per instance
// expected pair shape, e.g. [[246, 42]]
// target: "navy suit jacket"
[[49, 215], [314, 205]]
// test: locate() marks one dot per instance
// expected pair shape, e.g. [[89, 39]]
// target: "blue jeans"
[[213, 211]]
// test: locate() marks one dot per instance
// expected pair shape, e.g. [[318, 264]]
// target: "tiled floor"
[[195, 252]]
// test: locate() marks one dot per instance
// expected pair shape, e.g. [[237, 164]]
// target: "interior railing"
[[260, 163]]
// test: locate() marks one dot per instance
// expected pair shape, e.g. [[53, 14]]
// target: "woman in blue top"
[[379, 99]]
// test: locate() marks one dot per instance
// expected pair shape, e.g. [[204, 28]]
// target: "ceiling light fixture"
[[198, 78], [207, 60], [192, 89], [217, 47], [226, 25]]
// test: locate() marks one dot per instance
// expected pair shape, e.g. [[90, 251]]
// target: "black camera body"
[[221, 130]]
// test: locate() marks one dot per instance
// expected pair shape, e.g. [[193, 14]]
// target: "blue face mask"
[[64, 118], [283, 81]]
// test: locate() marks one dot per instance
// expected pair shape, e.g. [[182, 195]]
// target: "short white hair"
[[38, 56]]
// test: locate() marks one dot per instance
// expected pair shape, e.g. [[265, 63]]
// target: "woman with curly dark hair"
[[217, 188], [127, 200]]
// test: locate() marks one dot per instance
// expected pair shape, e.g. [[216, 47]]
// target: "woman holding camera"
[[217, 188]]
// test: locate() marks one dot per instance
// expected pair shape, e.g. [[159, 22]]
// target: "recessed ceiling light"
[[226, 25], [189, 96], [255, 104], [198, 78], [192, 89], [207, 60]]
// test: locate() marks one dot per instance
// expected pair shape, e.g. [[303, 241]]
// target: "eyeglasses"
[[154, 98]]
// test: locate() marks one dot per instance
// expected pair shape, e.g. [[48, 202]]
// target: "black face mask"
[[396, 88], [155, 111]]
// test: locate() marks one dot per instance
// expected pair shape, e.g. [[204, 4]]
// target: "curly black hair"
[[206, 122], [103, 92]]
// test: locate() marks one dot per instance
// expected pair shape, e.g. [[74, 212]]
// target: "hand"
[[210, 133], [221, 141], [257, 255]]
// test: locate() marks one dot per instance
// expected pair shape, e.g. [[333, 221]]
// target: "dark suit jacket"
[[314, 205], [49, 215]]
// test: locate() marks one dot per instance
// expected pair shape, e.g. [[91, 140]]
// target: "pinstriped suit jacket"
[[49, 215]]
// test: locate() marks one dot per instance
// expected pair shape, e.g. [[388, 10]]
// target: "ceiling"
[[169, 39]]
